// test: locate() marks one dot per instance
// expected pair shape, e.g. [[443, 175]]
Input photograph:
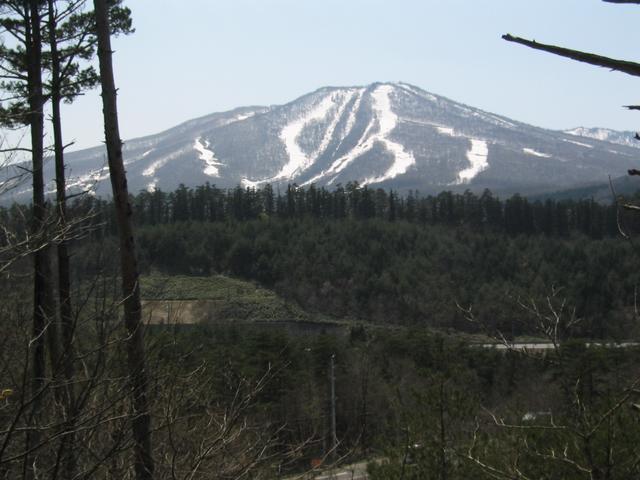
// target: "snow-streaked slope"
[[385, 134], [351, 120], [299, 161], [378, 130], [582, 144], [535, 153], [330, 109], [211, 163], [477, 156], [159, 163], [606, 135], [388, 121], [87, 182]]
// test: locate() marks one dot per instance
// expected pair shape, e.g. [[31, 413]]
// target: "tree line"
[[513, 215], [412, 268]]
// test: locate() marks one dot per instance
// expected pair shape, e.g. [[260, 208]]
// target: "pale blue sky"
[[193, 57]]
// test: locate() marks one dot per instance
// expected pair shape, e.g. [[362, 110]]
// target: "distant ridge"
[[389, 135]]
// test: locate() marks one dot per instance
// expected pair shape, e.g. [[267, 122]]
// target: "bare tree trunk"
[[64, 281], [41, 264], [131, 290], [630, 68], [42, 296]]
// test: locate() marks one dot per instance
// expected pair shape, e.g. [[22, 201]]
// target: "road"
[[356, 471], [550, 346]]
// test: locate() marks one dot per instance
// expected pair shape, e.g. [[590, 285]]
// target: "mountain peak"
[[386, 134]]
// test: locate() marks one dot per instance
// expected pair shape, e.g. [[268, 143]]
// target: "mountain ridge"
[[606, 134], [388, 135]]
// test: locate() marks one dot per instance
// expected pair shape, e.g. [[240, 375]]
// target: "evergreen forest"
[[385, 258], [405, 295]]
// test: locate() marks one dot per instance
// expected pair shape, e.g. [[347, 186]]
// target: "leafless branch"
[[624, 66], [616, 199]]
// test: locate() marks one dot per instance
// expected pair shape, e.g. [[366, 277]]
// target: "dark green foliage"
[[417, 399], [76, 44], [405, 260], [514, 216]]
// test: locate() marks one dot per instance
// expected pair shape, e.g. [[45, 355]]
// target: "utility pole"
[[334, 437]]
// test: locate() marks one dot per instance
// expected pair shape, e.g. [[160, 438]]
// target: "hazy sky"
[[189, 58]]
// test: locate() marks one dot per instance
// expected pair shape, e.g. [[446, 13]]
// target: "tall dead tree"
[[141, 419], [624, 66]]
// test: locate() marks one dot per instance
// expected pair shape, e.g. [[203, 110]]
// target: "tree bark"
[[67, 323], [141, 421], [637, 2], [630, 68], [42, 290]]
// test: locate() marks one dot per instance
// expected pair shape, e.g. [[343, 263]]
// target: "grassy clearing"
[[188, 300]]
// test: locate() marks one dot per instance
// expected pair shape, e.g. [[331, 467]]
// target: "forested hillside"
[[387, 259]]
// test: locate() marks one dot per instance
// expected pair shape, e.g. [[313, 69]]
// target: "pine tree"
[[141, 417]]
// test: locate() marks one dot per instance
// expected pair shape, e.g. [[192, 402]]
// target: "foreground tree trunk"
[[64, 278], [141, 420], [43, 324]]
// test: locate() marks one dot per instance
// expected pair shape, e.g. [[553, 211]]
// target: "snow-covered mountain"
[[390, 135], [606, 135]]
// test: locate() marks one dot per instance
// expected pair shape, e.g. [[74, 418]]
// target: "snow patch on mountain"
[[128, 160], [88, 182], [151, 170], [211, 163], [477, 156], [238, 118], [535, 153], [585, 145], [243, 116], [298, 160], [334, 106], [351, 120], [597, 133], [616, 152], [347, 96], [442, 129], [606, 135], [246, 183], [364, 145], [387, 123], [353, 111], [446, 131]]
